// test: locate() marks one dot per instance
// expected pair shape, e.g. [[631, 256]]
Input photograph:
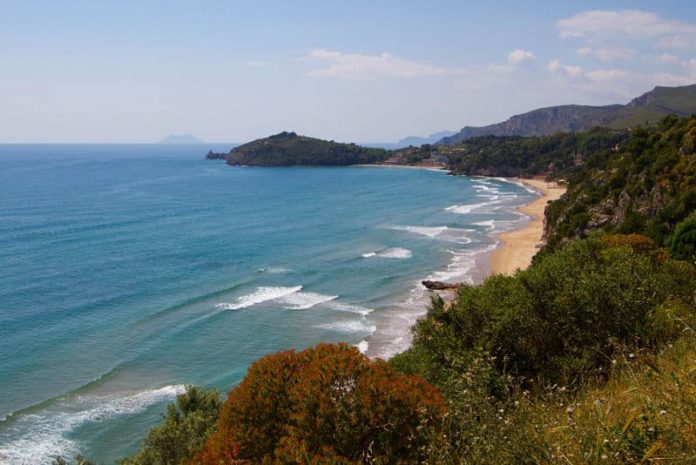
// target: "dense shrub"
[[560, 154], [683, 243], [647, 186], [562, 319], [515, 355], [187, 425], [327, 404]]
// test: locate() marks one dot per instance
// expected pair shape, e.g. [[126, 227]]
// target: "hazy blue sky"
[[134, 71]]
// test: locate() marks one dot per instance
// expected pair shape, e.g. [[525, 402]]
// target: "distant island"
[[181, 139], [645, 110], [290, 149], [431, 139]]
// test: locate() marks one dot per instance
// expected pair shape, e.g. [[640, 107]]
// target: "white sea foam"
[[37, 438], [304, 300], [355, 326], [468, 208], [485, 188], [260, 295], [273, 270], [351, 308], [287, 297], [490, 196], [429, 231], [444, 233], [395, 252], [516, 182], [363, 346], [490, 224]]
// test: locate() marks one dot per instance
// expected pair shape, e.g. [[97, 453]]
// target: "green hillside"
[[649, 108], [290, 149], [647, 186]]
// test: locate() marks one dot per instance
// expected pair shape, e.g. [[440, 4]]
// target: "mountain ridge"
[[646, 109], [181, 139], [430, 139]]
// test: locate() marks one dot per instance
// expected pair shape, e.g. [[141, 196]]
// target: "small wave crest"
[[361, 326], [273, 270], [485, 188], [429, 231], [287, 297], [304, 300], [260, 295], [444, 233], [351, 308], [394, 253], [489, 224], [468, 208]]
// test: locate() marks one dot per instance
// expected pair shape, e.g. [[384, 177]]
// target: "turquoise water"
[[130, 271]]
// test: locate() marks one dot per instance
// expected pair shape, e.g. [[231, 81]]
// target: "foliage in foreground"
[[186, 426], [561, 320], [645, 413], [326, 404], [516, 355]]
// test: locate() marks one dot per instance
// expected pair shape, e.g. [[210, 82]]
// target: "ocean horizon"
[[133, 270]]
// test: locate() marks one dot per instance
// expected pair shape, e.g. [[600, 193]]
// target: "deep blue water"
[[128, 271]]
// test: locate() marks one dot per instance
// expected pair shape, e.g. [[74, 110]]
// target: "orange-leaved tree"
[[326, 404]]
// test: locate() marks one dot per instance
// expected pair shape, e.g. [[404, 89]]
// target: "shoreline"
[[411, 167], [517, 247], [510, 250]]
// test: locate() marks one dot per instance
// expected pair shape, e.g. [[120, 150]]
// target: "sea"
[[130, 271]]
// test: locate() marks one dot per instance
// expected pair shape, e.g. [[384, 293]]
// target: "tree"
[[326, 404], [185, 428], [683, 244]]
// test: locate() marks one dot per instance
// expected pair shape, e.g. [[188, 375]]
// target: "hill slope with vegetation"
[[560, 154], [645, 110], [648, 186], [290, 149]]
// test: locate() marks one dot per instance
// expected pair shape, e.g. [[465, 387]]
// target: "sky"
[[380, 70]]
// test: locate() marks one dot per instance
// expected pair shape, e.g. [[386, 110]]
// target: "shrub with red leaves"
[[328, 404]]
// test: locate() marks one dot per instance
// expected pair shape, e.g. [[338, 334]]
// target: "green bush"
[[186, 426], [561, 320], [684, 240]]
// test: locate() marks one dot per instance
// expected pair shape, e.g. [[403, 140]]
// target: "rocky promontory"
[[291, 149]]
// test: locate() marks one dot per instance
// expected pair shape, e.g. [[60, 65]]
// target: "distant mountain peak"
[[181, 139], [646, 109], [431, 139]]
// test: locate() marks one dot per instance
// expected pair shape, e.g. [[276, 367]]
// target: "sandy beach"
[[519, 246]]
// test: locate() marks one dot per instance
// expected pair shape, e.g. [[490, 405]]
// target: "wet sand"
[[517, 247]]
